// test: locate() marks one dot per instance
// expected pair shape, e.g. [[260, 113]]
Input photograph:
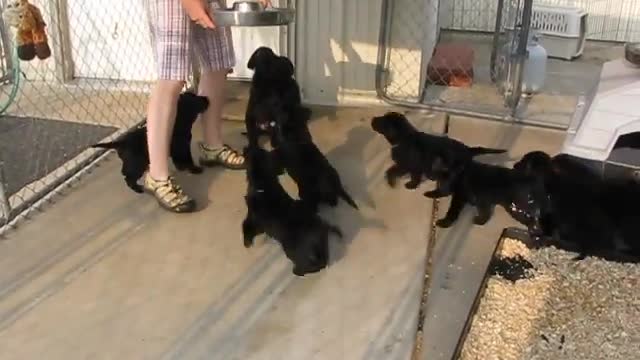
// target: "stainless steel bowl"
[[251, 13]]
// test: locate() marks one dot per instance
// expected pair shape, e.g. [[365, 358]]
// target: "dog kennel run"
[[95, 84]]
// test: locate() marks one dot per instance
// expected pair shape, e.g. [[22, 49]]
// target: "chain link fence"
[[94, 87], [608, 20], [467, 57]]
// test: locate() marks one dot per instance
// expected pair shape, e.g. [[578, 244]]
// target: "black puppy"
[[586, 215], [132, 148], [486, 186], [304, 236], [273, 88], [419, 154], [318, 181]]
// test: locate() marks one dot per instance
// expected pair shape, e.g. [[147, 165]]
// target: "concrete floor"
[[103, 273]]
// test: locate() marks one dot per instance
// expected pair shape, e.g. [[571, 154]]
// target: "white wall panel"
[[247, 39], [336, 50]]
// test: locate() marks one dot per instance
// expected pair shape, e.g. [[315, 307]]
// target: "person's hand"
[[266, 3], [197, 11]]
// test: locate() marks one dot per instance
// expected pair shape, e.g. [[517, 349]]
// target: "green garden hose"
[[15, 74]]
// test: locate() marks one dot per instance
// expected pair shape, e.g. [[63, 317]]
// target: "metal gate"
[[411, 30]]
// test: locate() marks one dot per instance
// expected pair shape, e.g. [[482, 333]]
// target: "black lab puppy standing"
[[304, 236], [419, 154], [586, 215], [132, 148], [273, 88], [318, 181], [485, 186]]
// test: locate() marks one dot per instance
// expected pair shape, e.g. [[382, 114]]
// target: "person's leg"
[[214, 50], [161, 114], [212, 85], [170, 35]]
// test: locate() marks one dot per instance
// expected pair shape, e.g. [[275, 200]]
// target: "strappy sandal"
[[169, 195], [225, 156]]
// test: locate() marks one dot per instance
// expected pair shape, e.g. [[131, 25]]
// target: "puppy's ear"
[[261, 55], [289, 66], [253, 60]]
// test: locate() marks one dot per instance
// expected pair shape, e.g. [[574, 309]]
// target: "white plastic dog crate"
[[563, 29], [607, 118]]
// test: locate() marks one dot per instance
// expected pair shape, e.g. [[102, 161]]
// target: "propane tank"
[[535, 66]]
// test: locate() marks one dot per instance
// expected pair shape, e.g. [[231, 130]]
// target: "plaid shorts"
[[176, 41]]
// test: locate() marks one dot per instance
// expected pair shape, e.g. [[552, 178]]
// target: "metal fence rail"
[[94, 87]]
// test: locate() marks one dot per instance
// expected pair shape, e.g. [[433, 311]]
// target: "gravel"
[[564, 310]]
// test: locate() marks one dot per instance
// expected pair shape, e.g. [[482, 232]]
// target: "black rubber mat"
[[31, 148]]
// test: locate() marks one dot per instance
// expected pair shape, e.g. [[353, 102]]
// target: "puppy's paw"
[[297, 272], [580, 257], [432, 194], [444, 223], [195, 170], [411, 185], [137, 188], [391, 181], [480, 220], [248, 242]]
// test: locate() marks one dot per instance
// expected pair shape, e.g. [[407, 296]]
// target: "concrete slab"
[[462, 253], [105, 274]]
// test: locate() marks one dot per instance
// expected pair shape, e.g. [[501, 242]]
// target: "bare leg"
[[213, 150], [161, 115], [212, 85]]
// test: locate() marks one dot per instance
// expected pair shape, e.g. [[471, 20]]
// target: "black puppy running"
[[318, 181], [273, 88], [419, 154], [132, 148], [486, 186], [304, 236]]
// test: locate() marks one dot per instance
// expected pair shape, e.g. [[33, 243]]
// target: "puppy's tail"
[[346, 197], [107, 145], [479, 150]]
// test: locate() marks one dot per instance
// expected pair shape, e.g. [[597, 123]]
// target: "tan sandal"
[[169, 195], [225, 156]]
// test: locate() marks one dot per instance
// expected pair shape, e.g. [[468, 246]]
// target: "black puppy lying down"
[[272, 86], [304, 236], [586, 214], [318, 181], [417, 153], [486, 186], [132, 148]]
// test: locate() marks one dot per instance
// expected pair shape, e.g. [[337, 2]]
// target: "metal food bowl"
[[251, 13], [632, 52]]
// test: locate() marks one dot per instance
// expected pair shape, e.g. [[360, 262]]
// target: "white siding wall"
[[336, 50]]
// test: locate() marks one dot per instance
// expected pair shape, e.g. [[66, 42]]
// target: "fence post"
[[521, 56], [61, 41], [5, 206], [496, 40]]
